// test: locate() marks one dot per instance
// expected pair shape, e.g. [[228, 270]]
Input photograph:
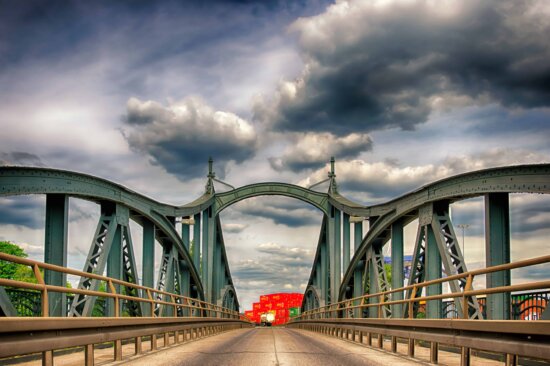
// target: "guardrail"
[[344, 309], [25, 335], [195, 307], [513, 338]]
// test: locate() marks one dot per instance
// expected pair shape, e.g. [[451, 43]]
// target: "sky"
[[401, 93]]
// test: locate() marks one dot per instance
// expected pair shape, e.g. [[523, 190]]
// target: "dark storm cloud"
[[288, 212], [371, 66], [182, 136], [529, 214], [27, 211]]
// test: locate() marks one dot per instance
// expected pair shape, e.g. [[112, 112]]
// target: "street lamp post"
[[463, 227]]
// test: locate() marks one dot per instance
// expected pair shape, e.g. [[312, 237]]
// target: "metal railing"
[[527, 337], [43, 334], [193, 307], [344, 309]]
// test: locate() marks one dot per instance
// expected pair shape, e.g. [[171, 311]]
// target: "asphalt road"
[[270, 346]]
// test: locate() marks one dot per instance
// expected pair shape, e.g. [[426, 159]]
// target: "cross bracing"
[[335, 274]]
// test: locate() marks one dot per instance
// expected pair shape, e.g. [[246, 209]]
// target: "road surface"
[[270, 346]]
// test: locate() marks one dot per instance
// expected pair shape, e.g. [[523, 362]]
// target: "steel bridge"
[[346, 296]]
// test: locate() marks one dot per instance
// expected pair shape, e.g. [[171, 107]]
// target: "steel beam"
[[6, 307], [55, 249], [358, 285], [114, 268], [497, 251], [418, 265], [148, 259], [452, 258], [324, 285], [346, 241], [197, 242], [97, 259], [370, 272], [204, 251], [334, 251], [433, 271], [397, 266]]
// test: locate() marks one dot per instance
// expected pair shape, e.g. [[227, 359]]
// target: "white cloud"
[[311, 150], [387, 179]]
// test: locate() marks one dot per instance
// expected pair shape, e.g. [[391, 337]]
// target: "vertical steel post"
[[204, 250], [318, 274], [358, 272], [373, 285], [185, 234], [346, 241], [185, 278], [334, 252], [397, 266], [148, 270], [324, 271], [497, 251], [55, 249], [197, 242], [358, 235], [114, 268], [358, 287], [433, 271], [219, 269]]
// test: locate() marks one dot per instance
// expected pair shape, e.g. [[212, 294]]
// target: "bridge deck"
[[266, 346]]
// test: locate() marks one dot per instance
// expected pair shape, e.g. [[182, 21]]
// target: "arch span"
[[317, 199]]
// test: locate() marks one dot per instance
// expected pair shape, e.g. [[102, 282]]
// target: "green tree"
[[15, 271], [387, 268], [10, 270]]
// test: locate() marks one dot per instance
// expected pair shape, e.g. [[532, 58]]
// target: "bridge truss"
[[203, 274]]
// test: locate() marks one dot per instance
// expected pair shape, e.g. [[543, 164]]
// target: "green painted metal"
[[497, 251], [370, 273], [6, 306], [418, 263], [319, 200], [517, 179], [397, 266], [451, 256], [215, 273], [185, 234], [346, 240], [204, 250], [114, 267], [55, 249], [358, 287], [358, 235], [433, 271], [96, 260], [197, 240], [358, 271], [24, 180], [334, 252], [148, 250]]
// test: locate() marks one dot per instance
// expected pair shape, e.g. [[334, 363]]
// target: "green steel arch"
[[226, 199], [27, 180], [514, 179]]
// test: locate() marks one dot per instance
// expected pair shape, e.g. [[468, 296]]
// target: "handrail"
[[186, 302], [467, 292]]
